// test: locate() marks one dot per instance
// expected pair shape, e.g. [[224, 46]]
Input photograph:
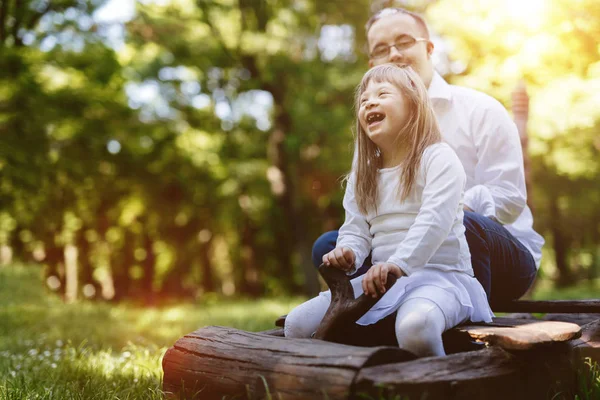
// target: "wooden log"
[[492, 373], [344, 310], [508, 333], [579, 319], [214, 362], [591, 306], [488, 374], [526, 335], [588, 345], [441, 377]]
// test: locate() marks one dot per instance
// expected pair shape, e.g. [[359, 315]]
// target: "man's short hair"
[[397, 10]]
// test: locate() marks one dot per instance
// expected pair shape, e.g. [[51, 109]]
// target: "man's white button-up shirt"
[[486, 140]]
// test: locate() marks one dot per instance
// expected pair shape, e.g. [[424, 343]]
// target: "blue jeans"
[[503, 266]]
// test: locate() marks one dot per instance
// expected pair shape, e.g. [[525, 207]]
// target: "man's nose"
[[395, 55]]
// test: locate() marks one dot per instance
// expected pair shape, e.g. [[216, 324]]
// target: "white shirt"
[[486, 140], [424, 230]]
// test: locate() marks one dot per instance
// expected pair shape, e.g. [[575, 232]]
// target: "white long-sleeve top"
[[424, 230], [486, 140]]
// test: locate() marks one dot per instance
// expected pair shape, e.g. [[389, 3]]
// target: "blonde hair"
[[420, 131]]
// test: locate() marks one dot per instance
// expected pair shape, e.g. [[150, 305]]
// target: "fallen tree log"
[[490, 374], [213, 362], [591, 306]]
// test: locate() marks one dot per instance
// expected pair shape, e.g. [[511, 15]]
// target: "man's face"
[[396, 28]]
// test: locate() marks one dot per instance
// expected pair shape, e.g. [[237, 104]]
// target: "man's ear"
[[430, 47]]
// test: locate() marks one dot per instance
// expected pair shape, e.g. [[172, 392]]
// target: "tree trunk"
[[595, 247], [55, 261], [121, 262], [71, 273], [561, 245], [173, 283], [86, 268], [208, 282], [250, 279], [149, 265]]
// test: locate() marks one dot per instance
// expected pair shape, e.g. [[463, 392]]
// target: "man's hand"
[[375, 279], [341, 258]]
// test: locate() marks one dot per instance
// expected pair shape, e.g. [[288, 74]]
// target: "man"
[[505, 250]]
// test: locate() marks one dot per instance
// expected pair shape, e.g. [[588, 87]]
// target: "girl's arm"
[[440, 202], [354, 233]]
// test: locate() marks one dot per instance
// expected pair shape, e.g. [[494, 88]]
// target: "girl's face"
[[382, 113]]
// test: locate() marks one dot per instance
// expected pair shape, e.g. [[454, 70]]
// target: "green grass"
[[545, 290], [51, 350]]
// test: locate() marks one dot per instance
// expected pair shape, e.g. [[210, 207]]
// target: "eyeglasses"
[[402, 43]]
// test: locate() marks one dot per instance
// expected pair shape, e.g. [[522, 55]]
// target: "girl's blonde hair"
[[421, 131]]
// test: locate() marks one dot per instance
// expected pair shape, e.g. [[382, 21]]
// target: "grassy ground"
[[51, 350]]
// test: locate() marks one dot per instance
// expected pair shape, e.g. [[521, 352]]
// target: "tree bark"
[[149, 266], [217, 362], [208, 282], [121, 262], [561, 245], [250, 279]]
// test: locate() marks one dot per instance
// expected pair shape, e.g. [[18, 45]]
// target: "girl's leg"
[[425, 314], [419, 327], [304, 320]]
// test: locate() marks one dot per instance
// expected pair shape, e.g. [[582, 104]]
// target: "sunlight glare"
[[529, 13]]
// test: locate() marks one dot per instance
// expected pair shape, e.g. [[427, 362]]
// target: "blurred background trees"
[[168, 149]]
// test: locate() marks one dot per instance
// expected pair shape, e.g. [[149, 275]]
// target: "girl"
[[404, 205]]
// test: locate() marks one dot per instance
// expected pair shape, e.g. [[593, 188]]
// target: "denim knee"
[[323, 245]]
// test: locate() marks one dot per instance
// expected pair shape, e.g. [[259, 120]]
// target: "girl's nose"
[[371, 103]]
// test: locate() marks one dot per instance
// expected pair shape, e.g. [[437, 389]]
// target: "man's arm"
[[499, 173]]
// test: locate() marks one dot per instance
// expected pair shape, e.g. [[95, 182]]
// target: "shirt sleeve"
[[500, 163], [479, 199], [440, 202], [355, 232]]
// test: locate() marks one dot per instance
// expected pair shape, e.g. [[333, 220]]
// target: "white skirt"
[[471, 304]]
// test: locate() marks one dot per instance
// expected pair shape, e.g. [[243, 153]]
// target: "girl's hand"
[[376, 277], [341, 258]]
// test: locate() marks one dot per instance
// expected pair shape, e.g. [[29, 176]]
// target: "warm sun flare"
[[529, 12]]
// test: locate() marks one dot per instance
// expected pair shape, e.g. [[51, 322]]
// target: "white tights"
[[419, 322]]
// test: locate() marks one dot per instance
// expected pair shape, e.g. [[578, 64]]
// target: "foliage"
[[202, 150]]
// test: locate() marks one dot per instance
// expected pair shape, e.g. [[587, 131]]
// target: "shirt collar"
[[439, 88]]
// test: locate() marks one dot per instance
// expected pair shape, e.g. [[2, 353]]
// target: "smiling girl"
[[404, 205]]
